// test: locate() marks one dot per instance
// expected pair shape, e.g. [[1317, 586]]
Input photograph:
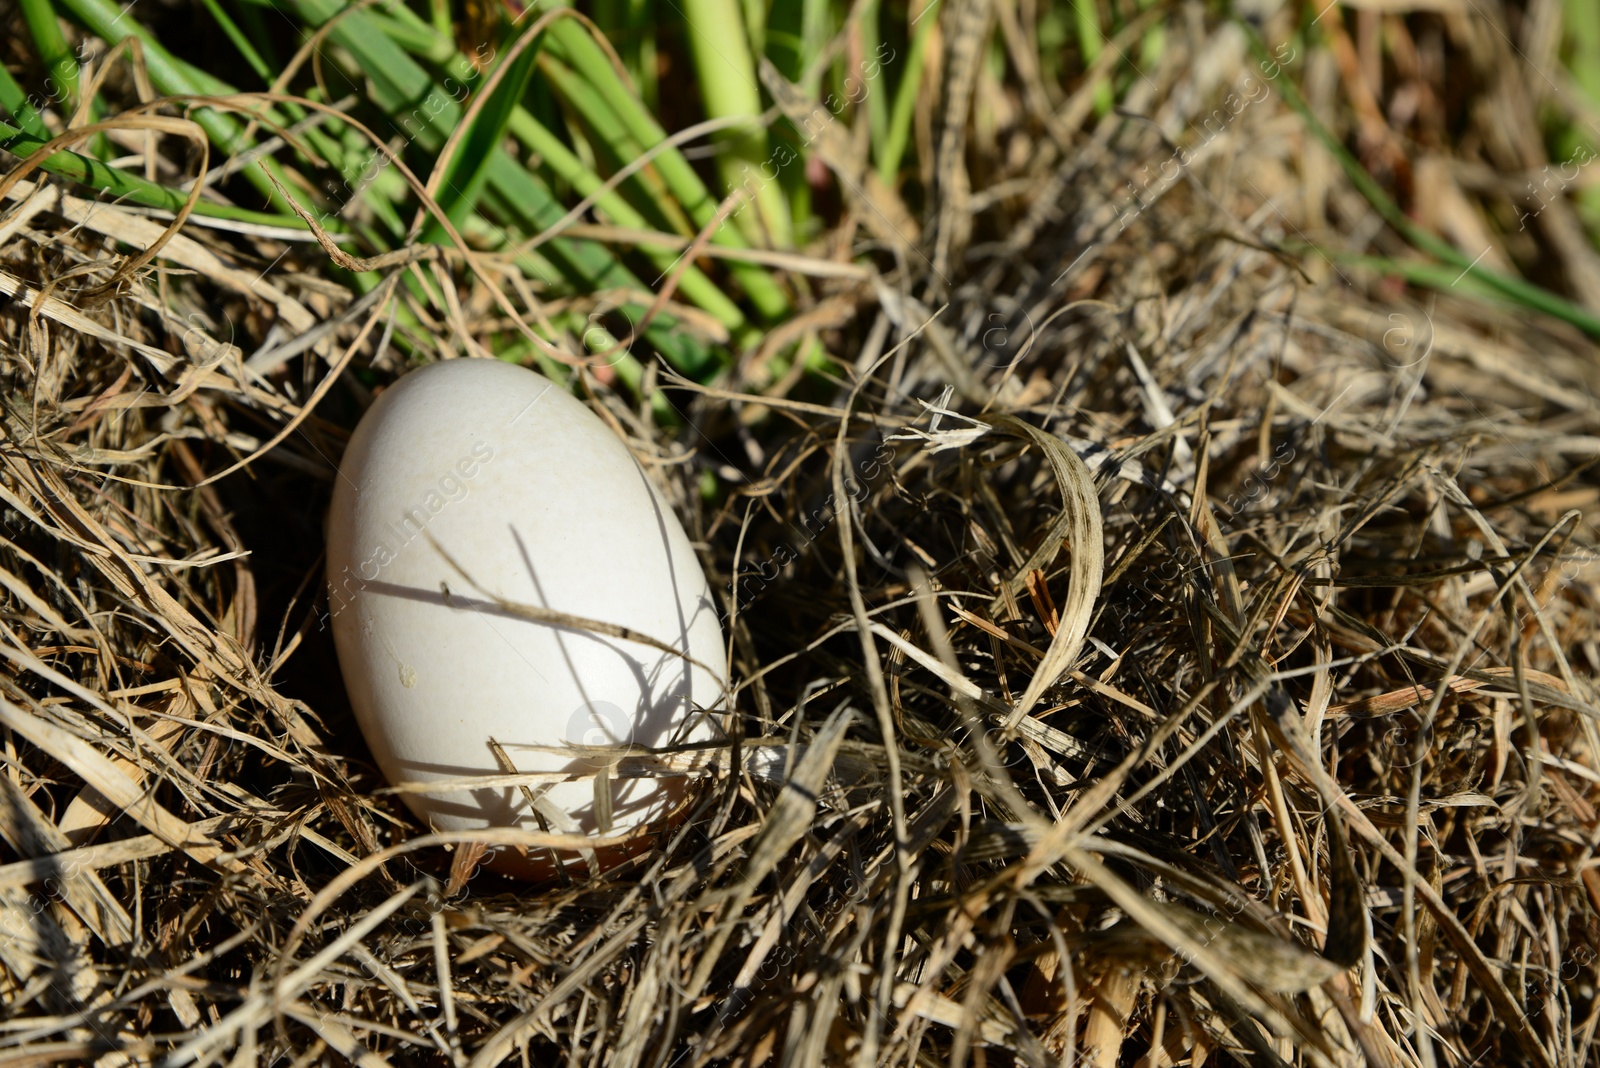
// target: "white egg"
[[538, 503]]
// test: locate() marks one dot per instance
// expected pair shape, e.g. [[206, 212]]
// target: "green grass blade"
[[467, 168], [893, 146], [729, 90], [426, 112], [525, 197], [1583, 33], [1517, 290], [1153, 45], [816, 28], [784, 40], [871, 47], [694, 284], [572, 41], [130, 187], [16, 103], [174, 78], [240, 41], [255, 29], [416, 37], [612, 139], [1583, 36], [1091, 40], [630, 25], [439, 15], [1426, 273], [53, 51]]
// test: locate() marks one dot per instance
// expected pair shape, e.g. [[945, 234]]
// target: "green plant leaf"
[[467, 169]]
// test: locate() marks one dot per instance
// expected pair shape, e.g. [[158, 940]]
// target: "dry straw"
[[1147, 654]]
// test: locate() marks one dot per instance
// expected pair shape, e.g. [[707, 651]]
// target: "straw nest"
[[1156, 646]]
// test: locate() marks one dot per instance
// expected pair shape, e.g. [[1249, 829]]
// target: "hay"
[[1146, 653]]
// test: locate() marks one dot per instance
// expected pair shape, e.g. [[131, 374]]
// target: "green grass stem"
[[15, 101], [607, 133], [121, 185], [1091, 41], [694, 285], [571, 41], [240, 40], [893, 146], [54, 52], [729, 89], [1517, 290], [173, 77]]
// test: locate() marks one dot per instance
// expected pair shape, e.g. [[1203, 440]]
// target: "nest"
[[1143, 652]]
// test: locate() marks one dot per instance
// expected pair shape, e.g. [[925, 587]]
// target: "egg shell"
[[540, 504]]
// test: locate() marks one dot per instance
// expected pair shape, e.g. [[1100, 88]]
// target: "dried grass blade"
[[87, 859], [1080, 529], [788, 819], [554, 618], [1157, 920], [73, 319], [29, 833], [1482, 971], [257, 1008], [99, 772]]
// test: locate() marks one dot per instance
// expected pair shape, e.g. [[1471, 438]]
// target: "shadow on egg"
[[663, 714]]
